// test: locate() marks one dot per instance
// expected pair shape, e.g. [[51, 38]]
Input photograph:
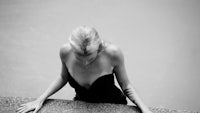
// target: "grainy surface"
[[10, 104]]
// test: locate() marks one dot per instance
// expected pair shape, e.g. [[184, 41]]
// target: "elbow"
[[128, 89], [126, 85]]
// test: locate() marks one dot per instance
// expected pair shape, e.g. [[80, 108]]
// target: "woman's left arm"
[[122, 78]]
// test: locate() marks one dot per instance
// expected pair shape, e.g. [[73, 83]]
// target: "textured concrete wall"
[[10, 104]]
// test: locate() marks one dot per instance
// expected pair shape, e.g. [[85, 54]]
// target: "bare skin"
[[85, 70]]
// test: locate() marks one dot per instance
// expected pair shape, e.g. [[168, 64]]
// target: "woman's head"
[[85, 40]]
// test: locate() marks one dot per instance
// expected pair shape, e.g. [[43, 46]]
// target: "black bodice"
[[103, 90]]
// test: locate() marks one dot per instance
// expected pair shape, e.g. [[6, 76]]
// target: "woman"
[[89, 65]]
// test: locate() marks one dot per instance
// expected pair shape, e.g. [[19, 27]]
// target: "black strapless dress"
[[103, 90]]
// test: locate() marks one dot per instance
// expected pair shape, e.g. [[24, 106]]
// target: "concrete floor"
[[10, 104]]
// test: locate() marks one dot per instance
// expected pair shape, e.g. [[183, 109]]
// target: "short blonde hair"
[[84, 39]]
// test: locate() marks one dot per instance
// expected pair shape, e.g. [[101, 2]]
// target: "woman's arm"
[[56, 85], [53, 88], [122, 78], [61, 80]]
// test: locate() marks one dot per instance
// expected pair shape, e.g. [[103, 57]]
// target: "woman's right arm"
[[61, 80], [56, 84], [53, 88]]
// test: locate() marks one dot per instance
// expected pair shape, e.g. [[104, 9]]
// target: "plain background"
[[160, 40]]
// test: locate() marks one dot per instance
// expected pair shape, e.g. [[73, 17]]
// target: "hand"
[[34, 105]]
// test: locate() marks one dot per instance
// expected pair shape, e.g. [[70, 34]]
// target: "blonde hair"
[[85, 38]]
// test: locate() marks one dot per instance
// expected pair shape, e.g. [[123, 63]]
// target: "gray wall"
[[159, 38]]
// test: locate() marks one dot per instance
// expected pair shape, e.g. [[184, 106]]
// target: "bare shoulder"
[[114, 53], [65, 50]]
